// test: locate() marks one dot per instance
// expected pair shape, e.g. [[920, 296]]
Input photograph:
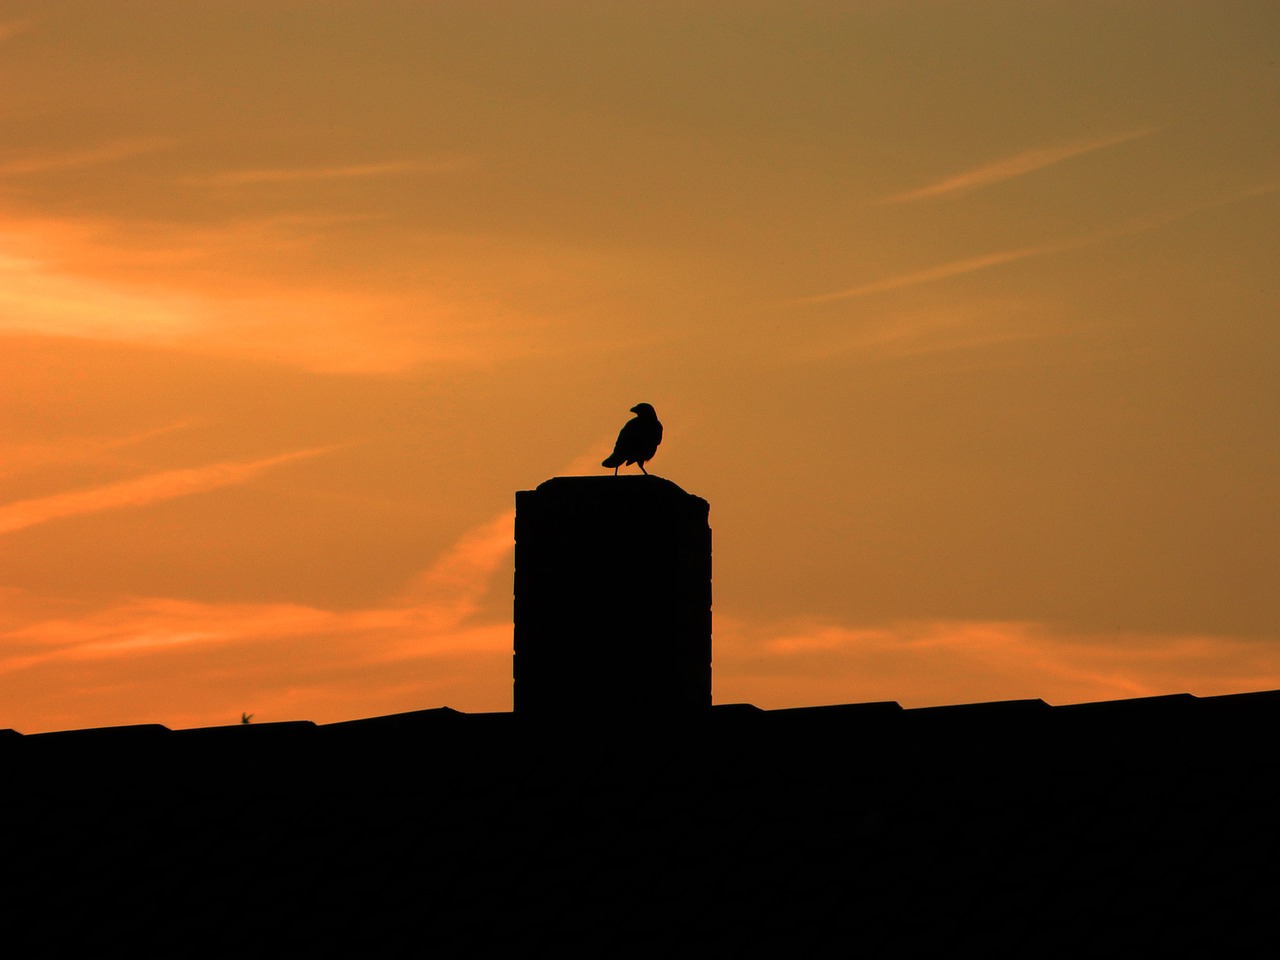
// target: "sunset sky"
[[961, 314]]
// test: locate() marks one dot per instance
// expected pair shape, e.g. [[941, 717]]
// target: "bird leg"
[[615, 471], [642, 469]]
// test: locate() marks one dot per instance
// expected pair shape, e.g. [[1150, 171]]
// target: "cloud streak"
[[201, 291], [11, 28], [1008, 168], [232, 178], [17, 458], [105, 153], [139, 491], [941, 272], [986, 261]]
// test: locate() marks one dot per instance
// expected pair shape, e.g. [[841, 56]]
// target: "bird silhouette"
[[637, 440]]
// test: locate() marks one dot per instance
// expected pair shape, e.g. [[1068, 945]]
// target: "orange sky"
[[961, 315]]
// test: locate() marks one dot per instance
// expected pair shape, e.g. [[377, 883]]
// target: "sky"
[[962, 315]]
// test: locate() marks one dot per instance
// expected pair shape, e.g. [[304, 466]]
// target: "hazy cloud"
[[986, 261], [455, 583], [922, 331], [139, 491], [17, 457], [11, 28], [306, 174], [1017, 165], [201, 291], [941, 272], [104, 153]]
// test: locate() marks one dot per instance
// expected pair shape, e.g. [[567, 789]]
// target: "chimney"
[[612, 599]]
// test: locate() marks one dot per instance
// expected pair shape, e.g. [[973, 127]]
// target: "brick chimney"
[[612, 598]]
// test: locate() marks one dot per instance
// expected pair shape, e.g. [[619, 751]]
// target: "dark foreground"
[[1128, 828]]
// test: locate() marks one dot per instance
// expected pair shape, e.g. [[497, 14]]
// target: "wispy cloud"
[[36, 296], [11, 28], [986, 261], [203, 290], [934, 329], [18, 457], [940, 272], [384, 168], [87, 156], [1156, 221], [139, 491], [1020, 164], [454, 584]]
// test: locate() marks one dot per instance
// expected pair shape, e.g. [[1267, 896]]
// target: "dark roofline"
[[882, 717]]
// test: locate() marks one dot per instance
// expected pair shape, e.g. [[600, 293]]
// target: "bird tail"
[[614, 460]]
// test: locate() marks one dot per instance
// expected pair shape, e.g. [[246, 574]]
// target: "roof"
[[1125, 826]]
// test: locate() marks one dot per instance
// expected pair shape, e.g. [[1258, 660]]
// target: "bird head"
[[644, 408]]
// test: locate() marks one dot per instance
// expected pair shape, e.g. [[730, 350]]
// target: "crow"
[[637, 440]]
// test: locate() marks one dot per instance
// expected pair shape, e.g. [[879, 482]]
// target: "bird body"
[[637, 440]]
